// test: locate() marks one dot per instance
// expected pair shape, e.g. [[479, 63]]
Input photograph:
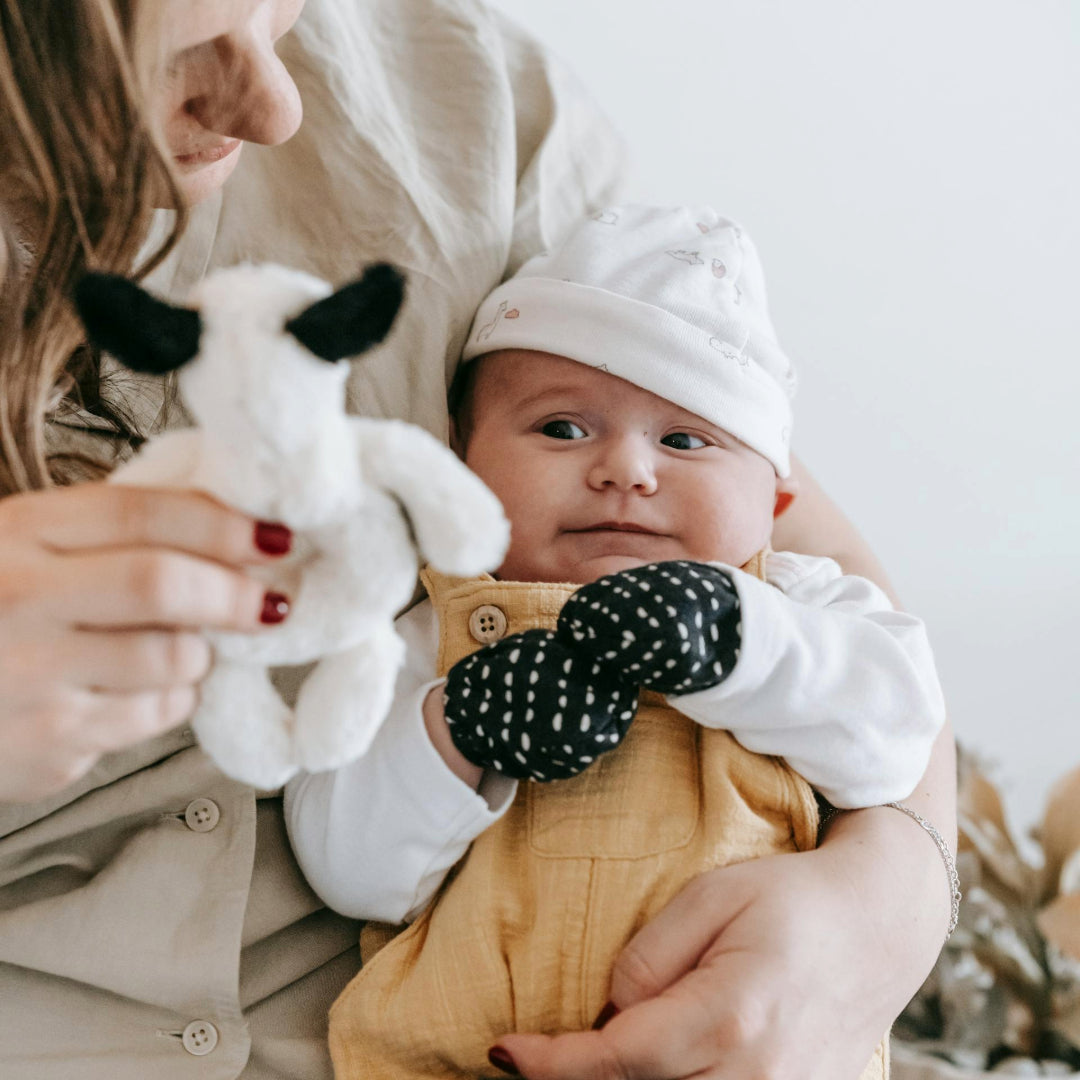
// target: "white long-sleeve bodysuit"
[[829, 677]]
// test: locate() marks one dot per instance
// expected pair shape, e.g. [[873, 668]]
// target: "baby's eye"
[[682, 440], [562, 429]]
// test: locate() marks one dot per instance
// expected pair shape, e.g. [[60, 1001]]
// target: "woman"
[[150, 911]]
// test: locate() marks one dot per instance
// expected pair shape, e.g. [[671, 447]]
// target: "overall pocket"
[[637, 801]]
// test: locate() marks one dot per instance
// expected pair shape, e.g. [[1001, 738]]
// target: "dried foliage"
[[1004, 997]]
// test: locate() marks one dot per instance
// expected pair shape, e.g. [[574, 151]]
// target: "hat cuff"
[[708, 374]]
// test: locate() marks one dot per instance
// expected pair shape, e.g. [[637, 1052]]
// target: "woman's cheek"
[[288, 11]]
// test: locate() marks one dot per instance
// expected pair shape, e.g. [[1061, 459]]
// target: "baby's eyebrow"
[[549, 392]]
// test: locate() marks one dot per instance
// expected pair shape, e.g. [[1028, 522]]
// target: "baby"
[[676, 688]]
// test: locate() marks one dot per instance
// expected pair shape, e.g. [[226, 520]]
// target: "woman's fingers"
[[715, 1021], [674, 942], [123, 661], [683, 1032], [114, 721], [102, 555], [99, 587], [56, 740], [92, 516], [39, 667], [671, 1020], [150, 588]]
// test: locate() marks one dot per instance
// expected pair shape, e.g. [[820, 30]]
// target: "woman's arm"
[[815, 525], [793, 966]]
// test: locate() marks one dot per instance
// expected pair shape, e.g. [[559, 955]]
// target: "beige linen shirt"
[[153, 923]]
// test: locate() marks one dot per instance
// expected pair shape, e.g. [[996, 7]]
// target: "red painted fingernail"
[[501, 1059], [606, 1013], [273, 539], [275, 608]]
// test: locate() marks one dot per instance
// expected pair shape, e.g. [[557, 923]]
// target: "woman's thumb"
[[672, 944]]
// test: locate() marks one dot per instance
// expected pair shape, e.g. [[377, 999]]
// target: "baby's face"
[[597, 475]]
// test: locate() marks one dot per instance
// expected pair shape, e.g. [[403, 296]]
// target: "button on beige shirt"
[[153, 923]]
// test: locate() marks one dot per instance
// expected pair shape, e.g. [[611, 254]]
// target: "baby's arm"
[[830, 678], [376, 838]]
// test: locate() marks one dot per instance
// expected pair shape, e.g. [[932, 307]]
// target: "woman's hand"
[[792, 966], [102, 590]]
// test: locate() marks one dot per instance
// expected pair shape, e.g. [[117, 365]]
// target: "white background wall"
[[910, 172]]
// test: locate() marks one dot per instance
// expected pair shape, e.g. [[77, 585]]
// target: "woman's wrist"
[[947, 858], [933, 800], [898, 875]]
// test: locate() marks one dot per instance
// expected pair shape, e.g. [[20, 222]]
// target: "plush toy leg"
[[344, 700], [244, 725]]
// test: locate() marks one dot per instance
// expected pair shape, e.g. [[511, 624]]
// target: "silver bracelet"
[[947, 857]]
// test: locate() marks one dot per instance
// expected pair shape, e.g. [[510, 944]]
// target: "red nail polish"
[[275, 608], [606, 1013], [501, 1059], [273, 539]]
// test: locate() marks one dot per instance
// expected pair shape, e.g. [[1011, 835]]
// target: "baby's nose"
[[625, 466]]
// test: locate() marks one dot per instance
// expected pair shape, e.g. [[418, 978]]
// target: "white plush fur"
[[273, 439]]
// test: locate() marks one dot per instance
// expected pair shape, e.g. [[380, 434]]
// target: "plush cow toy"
[[261, 369]]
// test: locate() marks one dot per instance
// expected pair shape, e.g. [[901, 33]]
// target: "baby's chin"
[[575, 573], [594, 569], [611, 564], [587, 571]]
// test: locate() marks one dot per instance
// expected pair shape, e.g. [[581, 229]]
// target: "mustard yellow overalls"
[[524, 933]]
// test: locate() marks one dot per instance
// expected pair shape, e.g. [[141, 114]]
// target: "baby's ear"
[[786, 490]]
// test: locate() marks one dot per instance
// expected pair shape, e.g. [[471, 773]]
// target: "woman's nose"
[[249, 95], [625, 465]]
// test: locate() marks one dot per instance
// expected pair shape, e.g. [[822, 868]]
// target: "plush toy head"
[[248, 321]]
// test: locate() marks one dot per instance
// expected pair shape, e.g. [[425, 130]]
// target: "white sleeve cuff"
[[376, 838], [439, 794]]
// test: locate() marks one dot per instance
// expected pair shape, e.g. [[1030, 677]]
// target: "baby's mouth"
[[616, 526]]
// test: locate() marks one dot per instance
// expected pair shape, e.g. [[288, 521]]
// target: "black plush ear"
[[144, 333], [353, 319]]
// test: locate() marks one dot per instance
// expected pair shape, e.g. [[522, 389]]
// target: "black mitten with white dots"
[[534, 708], [543, 706], [672, 627]]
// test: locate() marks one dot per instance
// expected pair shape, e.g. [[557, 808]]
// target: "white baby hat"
[[671, 299]]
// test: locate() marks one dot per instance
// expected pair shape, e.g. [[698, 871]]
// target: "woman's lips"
[[208, 156]]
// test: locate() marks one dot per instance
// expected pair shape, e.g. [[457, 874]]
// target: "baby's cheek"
[[733, 536], [522, 556]]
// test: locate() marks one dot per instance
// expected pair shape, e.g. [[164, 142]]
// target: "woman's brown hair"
[[80, 175]]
